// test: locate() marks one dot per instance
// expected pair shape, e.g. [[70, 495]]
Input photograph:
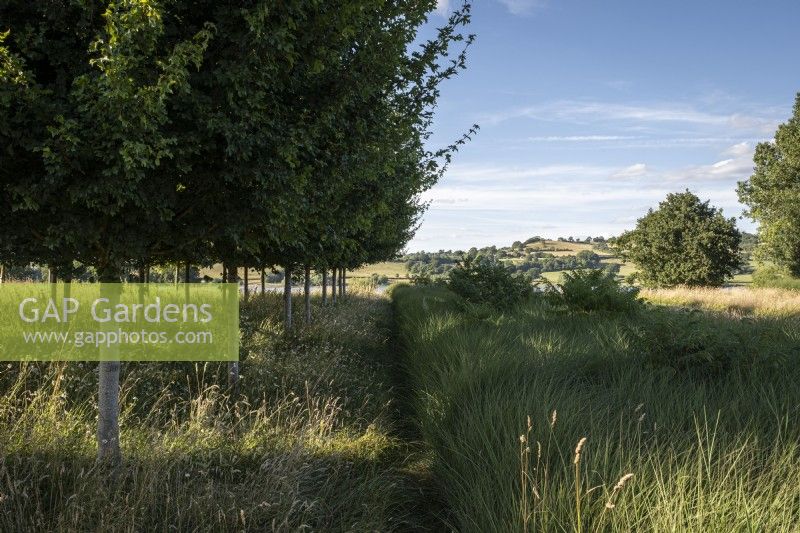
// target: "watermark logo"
[[119, 322]]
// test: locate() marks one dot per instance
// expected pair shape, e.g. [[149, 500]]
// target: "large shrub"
[[775, 277], [683, 242], [592, 290], [487, 282]]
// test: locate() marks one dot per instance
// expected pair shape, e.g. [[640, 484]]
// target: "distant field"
[[561, 247], [216, 273], [388, 268], [626, 268], [391, 269]]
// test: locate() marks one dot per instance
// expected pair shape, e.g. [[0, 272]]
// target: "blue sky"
[[592, 111]]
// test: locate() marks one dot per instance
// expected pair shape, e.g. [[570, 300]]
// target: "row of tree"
[[251, 133]]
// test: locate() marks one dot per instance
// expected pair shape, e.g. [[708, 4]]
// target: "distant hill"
[[535, 257]]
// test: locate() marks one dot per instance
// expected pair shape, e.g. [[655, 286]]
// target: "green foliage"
[[772, 195], [776, 277], [688, 341], [486, 282], [592, 290], [683, 242]]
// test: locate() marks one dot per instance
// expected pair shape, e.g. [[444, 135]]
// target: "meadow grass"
[[658, 420], [735, 301], [310, 443]]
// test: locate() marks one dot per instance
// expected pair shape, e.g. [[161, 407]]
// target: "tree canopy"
[[683, 242], [772, 195], [258, 133]]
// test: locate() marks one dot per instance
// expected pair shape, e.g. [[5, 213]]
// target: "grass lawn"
[[659, 420]]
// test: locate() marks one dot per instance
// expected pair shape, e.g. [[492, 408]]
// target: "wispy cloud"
[[633, 171], [581, 112], [737, 166], [522, 7], [582, 138], [511, 175], [443, 7]]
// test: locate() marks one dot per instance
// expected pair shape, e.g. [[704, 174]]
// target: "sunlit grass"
[[743, 301]]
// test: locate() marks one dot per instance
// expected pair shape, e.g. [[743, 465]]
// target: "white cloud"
[[443, 7], [633, 171], [737, 166], [522, 7], [739, 150]]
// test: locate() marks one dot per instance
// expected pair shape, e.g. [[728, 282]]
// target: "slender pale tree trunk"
[[263, 281], [108, 447], [333, 285], [341, 282], [287, 297], [233, 366], [177, 269], [108, 418], [147, 273], [2, 274], [307, 293], [51, 274], [246, 283], [324, 286], [344, 282]]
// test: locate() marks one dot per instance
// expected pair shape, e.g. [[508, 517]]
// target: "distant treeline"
[[519, 259]]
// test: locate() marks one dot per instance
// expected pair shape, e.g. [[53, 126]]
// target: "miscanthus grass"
[[309, 444], [539, 420]]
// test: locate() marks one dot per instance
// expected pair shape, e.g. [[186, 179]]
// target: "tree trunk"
[[2, 274], [141, 274], [307, 293], [344, 282], [324, 286], [108, 417], [333, 285], [233, 366], [108, 447], [233, 378], [246, 282], [187, 276], [263, 281], [341, 282], [147, 273], [51, 274], [287, 297], [176, 273]]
